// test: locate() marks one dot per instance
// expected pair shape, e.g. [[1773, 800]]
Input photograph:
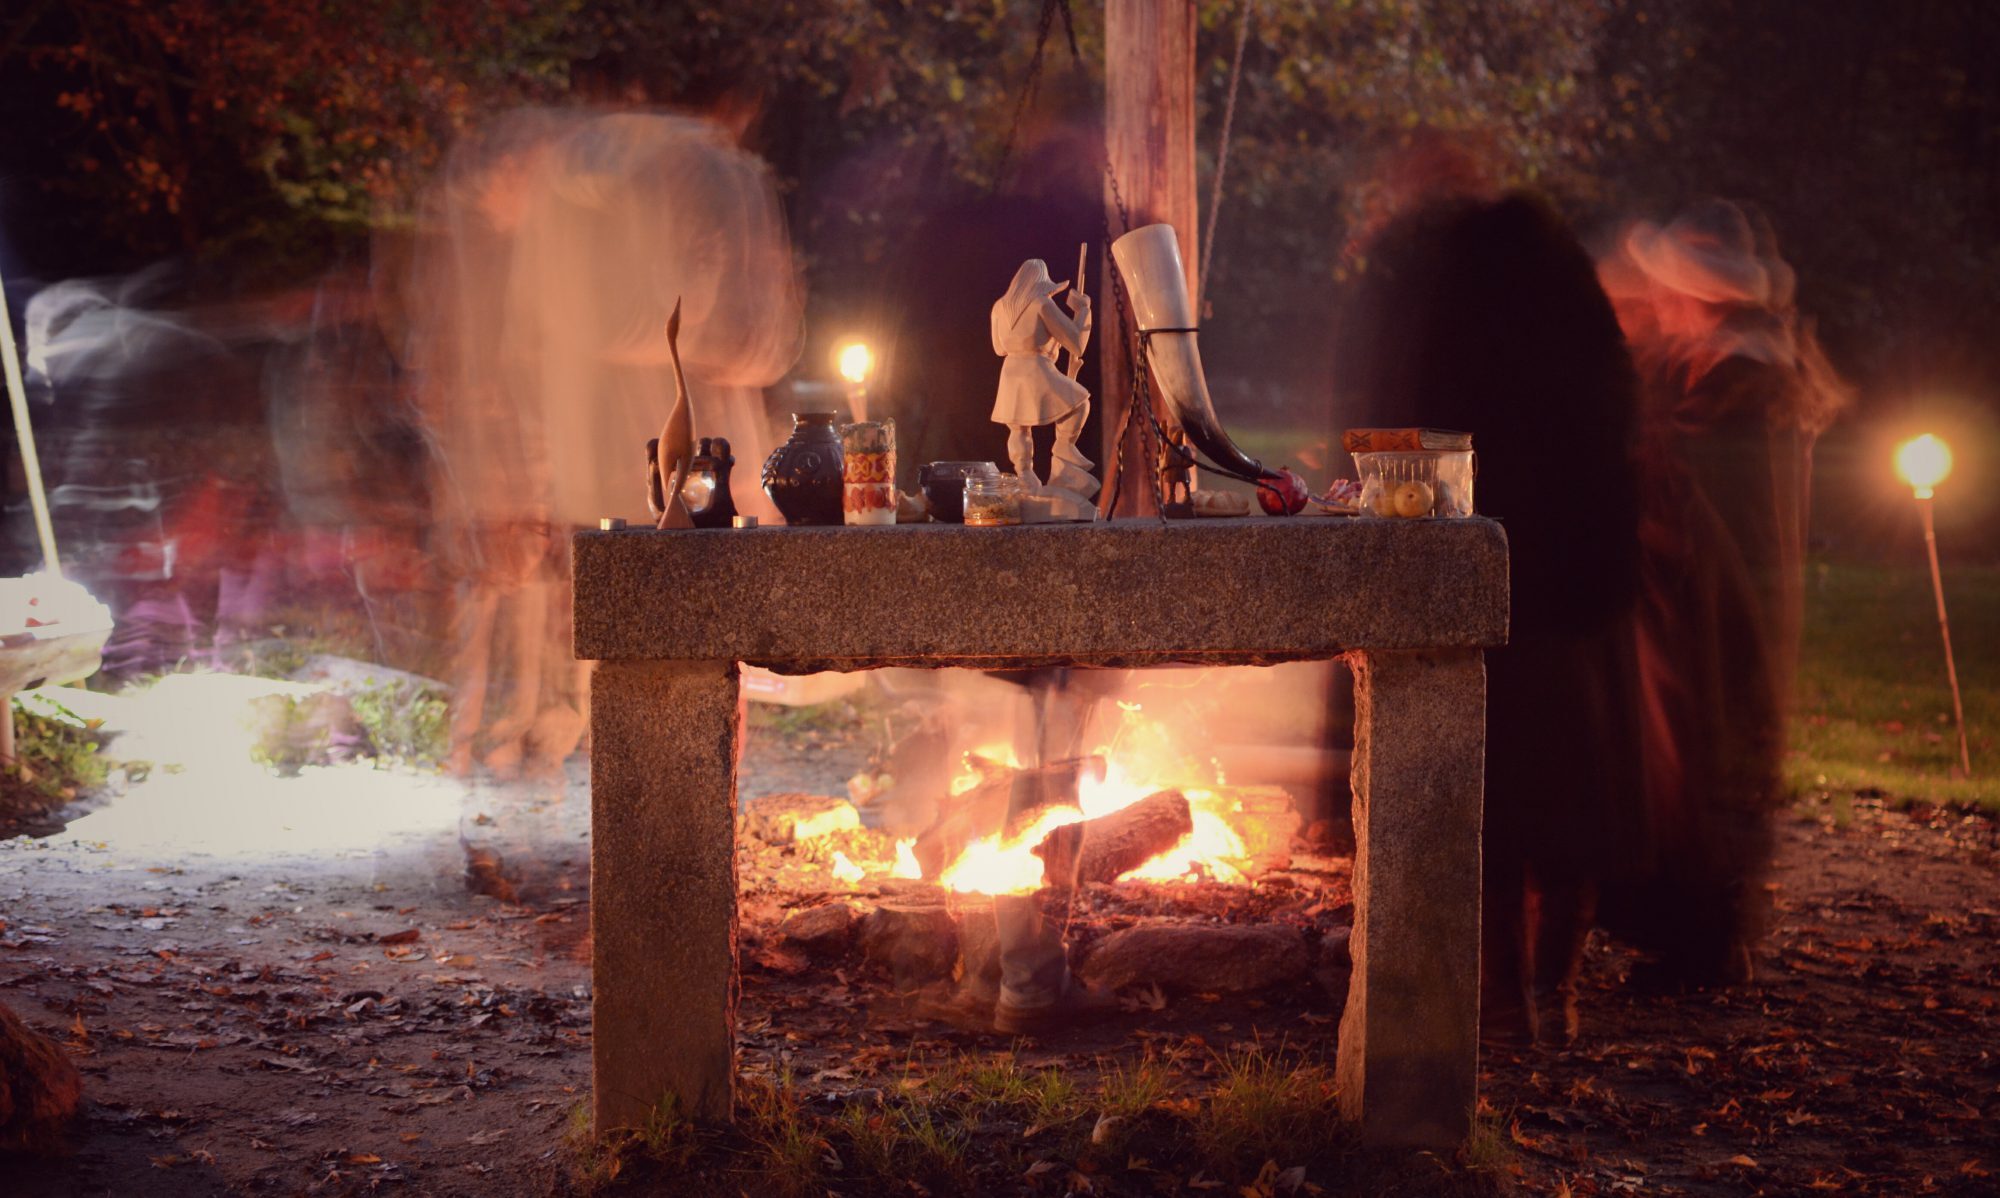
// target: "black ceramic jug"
[[802, 476]]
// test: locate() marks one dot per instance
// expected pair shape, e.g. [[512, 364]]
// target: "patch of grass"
[[935, 1145], [587, 1157], [1872, 711], [1268, 1105], [1488, 1149], [1130, 1089], [998, 1084], [919, 1137], [1267, 1125], [407, 722], [1051, 1097], [293, 732], [666, 1139], [56, 754], [790, 1152]]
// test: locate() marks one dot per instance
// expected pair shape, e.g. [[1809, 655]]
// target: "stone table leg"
[[1409, 1039], [662, 889]]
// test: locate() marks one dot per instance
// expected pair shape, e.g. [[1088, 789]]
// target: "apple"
[[1414, 499], [1383, 502], [1284, 495]]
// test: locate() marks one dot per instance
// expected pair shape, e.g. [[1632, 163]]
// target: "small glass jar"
[[994, 502], [943, 485], [698, 490], [1415, 483]]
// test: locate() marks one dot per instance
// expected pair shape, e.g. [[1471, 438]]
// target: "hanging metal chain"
[[1152, 432], [1139, 391], [1033, 83]]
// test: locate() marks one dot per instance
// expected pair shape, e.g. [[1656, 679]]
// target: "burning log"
[[1003, 796], [1109, 845]]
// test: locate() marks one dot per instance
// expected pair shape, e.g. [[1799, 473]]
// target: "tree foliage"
[[1871, 137], [201, 120]]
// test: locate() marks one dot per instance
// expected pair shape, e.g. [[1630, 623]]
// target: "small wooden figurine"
[[1029, 330]]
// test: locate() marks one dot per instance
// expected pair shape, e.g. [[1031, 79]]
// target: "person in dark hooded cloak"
[[1485, 315]]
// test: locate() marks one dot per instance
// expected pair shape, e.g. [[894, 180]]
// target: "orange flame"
[[1007, 865]]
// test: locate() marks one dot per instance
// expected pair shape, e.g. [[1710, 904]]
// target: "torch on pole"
[[1923, 463]]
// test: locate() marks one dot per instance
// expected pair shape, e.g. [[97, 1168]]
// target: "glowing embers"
[[845, 871]]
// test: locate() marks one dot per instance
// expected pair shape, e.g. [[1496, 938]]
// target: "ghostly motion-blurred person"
[[1486, 315], [563, 241], [1734, 391]]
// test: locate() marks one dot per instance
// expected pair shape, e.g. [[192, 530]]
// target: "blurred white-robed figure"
[[562, 242]]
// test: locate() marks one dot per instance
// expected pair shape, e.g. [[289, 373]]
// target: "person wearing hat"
[[1028, 327], [1733, 391]]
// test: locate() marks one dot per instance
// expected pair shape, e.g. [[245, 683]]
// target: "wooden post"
[[1149, 122]]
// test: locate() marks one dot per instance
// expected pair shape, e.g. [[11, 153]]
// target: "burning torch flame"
[[1923, 462]]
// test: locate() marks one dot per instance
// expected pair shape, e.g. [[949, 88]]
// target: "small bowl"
[[943, 485]]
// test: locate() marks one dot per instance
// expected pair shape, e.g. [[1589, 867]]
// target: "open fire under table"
[[668, 616]]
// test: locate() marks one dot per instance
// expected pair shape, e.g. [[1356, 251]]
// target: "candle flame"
[[856, 362]]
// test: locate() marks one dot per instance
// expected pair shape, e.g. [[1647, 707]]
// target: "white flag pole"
[[24, 432]]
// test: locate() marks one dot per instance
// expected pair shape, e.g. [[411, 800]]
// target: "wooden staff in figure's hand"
[[1079, 307], [1070, 479]]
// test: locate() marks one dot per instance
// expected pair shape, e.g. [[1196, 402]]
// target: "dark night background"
[[250, 152]]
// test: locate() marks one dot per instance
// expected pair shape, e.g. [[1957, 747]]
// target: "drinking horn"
[[1150, 260]]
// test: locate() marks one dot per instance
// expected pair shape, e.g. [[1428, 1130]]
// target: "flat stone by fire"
[[1410, 605]]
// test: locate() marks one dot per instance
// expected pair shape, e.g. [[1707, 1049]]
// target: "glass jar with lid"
[[994, 501]]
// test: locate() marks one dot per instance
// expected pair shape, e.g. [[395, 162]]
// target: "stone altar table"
[[1411, 605]]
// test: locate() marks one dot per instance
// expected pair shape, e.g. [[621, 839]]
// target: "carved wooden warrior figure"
[[1029, 329]]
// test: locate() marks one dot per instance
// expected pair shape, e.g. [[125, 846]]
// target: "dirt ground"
[[345, 1015]]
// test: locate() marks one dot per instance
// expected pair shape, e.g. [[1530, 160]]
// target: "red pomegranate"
[[1284, 495]]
